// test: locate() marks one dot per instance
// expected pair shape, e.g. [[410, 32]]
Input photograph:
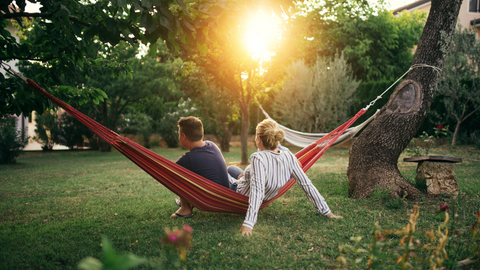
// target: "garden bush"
[[48, 129], [11, 142]]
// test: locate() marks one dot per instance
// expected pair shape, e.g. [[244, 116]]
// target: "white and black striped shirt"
[[267, 173]]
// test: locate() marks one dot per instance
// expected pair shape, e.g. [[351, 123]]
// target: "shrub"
[[71, 131], [11, 143], [47, 131]]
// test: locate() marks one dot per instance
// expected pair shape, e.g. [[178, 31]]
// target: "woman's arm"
[[257, 191], [310, 190]]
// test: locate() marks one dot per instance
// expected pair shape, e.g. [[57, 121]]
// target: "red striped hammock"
[[199, 191]]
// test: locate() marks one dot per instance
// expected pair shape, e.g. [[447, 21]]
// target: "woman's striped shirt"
[[267, 173]]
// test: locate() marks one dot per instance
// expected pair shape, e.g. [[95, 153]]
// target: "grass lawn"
[[55, 207]]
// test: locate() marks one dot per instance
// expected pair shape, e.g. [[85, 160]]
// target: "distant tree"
[[66, 37], [377, 44], [47, 129], [227, 59], [12, 140], [459, 87], [317, 98], [215, 106]]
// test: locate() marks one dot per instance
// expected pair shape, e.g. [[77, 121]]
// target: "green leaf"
[[65, 10], [183, 6], [90, 263], [133, 14], [215, 11], [148, 22], [152, 51], [90, 32], [202, 48], [200, 36], [121, 3]]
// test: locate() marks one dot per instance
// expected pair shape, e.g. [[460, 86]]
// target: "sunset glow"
[[261, 35]]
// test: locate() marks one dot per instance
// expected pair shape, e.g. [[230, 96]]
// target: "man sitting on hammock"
[[204, 159]]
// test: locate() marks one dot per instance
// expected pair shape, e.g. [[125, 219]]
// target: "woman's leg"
[[233, 173]]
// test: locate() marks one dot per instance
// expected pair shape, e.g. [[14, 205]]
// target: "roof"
[[411, 6]]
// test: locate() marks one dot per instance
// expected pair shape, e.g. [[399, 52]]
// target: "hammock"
[[303, 139], [197, 190]]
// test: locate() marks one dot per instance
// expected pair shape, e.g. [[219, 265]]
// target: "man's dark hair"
[[192, 127]]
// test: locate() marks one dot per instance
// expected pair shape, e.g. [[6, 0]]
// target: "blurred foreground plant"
[[410, 251], [112, 261], [176, 242]]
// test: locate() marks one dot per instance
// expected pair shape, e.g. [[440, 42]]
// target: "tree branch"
[[27, 58], [43, 15]]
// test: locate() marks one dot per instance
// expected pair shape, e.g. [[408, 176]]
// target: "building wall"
[[464, 16]]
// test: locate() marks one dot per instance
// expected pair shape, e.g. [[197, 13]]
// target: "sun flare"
[[261, 34]]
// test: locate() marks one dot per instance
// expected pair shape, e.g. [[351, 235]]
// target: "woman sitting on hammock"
[[270, 169]]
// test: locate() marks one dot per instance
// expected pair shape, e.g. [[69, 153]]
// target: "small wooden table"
[[437, 173]]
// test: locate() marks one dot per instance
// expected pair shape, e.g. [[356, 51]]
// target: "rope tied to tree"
[[10, 70], [437, 69]]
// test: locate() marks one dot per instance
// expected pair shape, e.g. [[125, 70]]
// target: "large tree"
[[228, 60], [375, 42], [374, 155], [65, 38]]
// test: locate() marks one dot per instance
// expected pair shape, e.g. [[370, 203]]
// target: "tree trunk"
[[226, 136], [374, 155], [244, 133], [104, 146], [455, 133]]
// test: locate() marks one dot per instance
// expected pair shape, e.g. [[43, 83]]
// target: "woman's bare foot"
[[331, 215]]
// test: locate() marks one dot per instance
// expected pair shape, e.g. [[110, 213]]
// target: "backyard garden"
[[57, 207]]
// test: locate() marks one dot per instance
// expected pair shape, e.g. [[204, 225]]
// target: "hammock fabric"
[[303, 139], [199, 191]]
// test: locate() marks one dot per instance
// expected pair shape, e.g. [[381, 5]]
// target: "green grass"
[[55, 207]]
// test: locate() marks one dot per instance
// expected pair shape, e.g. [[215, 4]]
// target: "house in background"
[[469, 15]]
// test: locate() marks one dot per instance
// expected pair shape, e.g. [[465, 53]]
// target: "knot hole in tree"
[[406, 98]]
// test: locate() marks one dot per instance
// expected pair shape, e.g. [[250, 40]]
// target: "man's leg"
[[185, 209]]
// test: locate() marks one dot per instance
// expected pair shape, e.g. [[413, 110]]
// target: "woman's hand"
[[331, 215], [240, 176], [246, 231]]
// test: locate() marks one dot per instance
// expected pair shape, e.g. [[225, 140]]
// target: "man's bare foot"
[[331, 215], [183, 212]]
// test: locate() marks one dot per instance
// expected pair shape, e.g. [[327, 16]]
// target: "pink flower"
[[173, 237], [455, 232], [187, 228], [444, 207], [440, 127]]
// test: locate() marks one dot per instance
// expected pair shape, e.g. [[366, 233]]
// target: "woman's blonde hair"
[[270, 133]]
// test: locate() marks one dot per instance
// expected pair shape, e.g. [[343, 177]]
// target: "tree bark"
[[455, 133], [244, 132], [374, 155], [104, 146]]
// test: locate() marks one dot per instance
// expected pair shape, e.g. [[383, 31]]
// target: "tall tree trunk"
[[455, 133], [374, 155], [226, 136], [244, 132], [104, 146]]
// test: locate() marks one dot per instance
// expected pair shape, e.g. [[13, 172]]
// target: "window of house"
[[473, 6]]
